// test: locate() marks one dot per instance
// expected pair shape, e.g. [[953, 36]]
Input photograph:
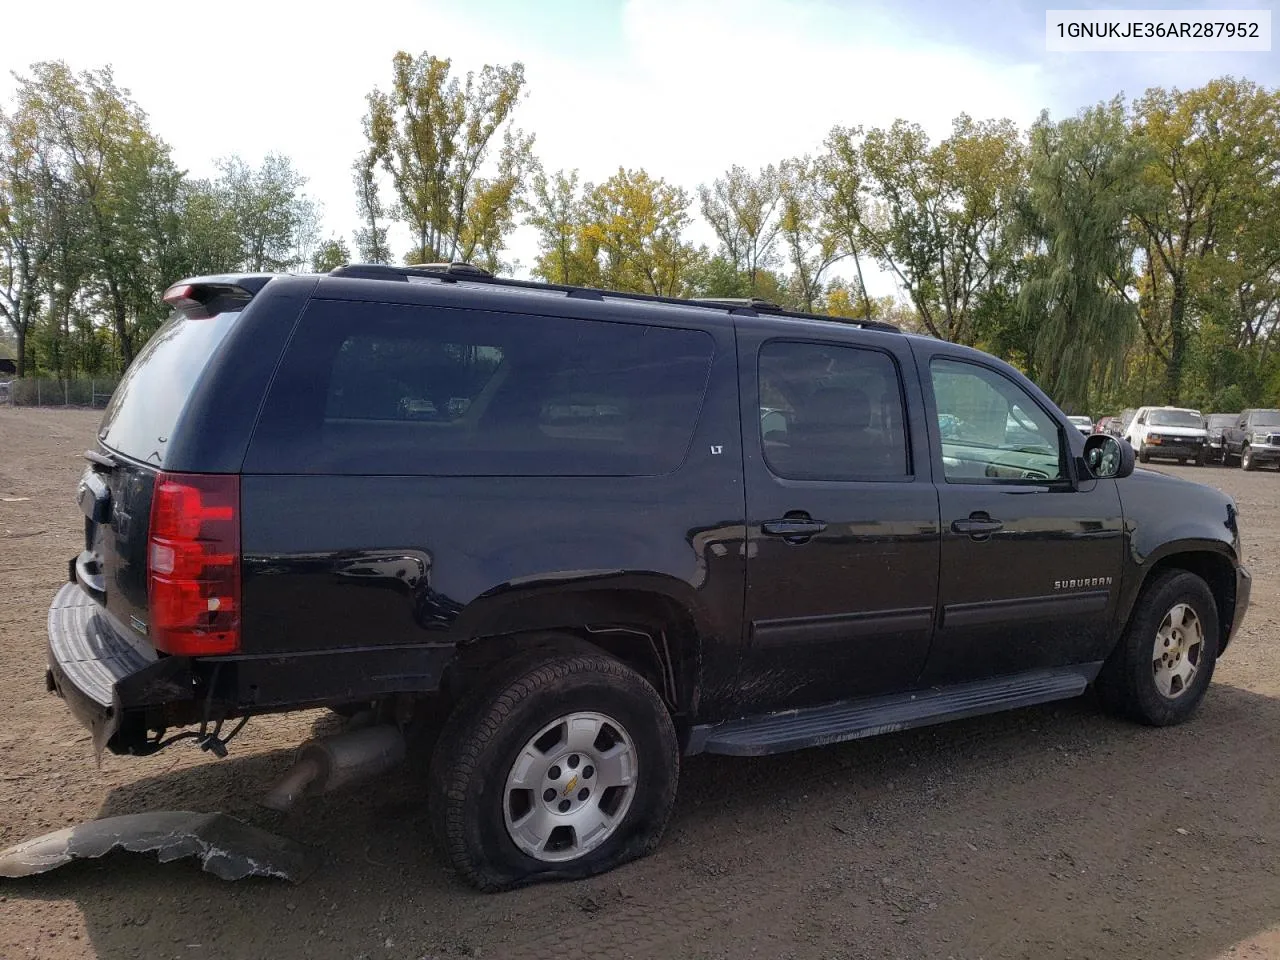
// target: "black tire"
[[1182, 461], [1143, 455], [483, 738], [1127, 684], [1246, 459], [1202, 459]]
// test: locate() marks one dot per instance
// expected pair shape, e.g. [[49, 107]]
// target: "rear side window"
[[394, 389], [831, 412], [148, 401]]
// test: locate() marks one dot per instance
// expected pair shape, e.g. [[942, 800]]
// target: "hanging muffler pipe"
[[331, 762]]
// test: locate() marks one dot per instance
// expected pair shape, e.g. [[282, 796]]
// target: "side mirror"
[[1108, 457]]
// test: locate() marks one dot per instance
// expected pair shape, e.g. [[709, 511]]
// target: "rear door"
[[842, 517]]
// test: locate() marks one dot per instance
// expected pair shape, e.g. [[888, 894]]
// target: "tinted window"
[[390, 389], [1219, 420], [1265, 418], [990, 427], [157, 385], [831, 413], [1175, 418]]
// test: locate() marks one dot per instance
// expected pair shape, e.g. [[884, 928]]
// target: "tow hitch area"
[[227, 847]]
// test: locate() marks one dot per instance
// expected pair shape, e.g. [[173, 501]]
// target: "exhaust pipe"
[[331, 762]]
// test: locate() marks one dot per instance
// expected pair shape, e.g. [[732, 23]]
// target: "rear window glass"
[[148, 401], [394, 389]]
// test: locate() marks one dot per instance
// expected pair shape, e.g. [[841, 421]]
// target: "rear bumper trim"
[[101, 672]]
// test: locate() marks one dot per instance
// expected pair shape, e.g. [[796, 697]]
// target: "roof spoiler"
[[201, 297]]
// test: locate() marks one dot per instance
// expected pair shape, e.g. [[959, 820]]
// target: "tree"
[[942, 214], [1080, 295], [371, 238], [432, 135], [28, 223], [844, 202], [558, 212], [810, 250], [742, 208], [274, 219], [636, 223], [1213, 156], [331, 254]]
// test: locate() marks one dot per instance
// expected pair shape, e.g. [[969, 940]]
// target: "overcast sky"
[[683, 88]]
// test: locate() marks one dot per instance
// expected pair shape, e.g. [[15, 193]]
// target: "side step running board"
[[855, 719]]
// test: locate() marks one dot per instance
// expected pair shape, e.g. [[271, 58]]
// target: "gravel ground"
[[1047, 833]]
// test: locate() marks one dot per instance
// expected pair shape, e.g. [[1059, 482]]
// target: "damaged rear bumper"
[[115, 687]]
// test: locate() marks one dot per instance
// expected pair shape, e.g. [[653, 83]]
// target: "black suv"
[[1253, 440], [594, 532]]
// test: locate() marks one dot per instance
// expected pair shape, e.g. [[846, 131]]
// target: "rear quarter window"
[[389, 389]]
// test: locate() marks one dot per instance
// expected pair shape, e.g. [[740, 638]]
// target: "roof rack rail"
[[460, 270]]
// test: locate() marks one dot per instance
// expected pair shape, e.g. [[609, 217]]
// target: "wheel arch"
[[646, 622], [1211, 562]]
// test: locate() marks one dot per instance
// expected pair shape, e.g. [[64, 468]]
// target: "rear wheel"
[[1162, 666], [560, 769], [1246, 460]]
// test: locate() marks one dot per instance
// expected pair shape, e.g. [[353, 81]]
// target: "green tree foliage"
[[329, 255], [940, 215], [432, 133], [271, 215], [744, 211], [1079, 295], [1214, 161]]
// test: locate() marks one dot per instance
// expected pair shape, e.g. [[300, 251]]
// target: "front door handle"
[[979, 526], [793, 529]]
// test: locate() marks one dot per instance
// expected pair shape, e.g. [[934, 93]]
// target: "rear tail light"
[[193, 563]]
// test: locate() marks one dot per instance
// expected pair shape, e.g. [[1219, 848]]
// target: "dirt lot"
[[1049, 833]]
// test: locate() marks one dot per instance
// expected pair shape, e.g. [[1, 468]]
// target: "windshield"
[[1220, 420], [1080, 421], [1265, 418], [150, 398], [1175, 418]]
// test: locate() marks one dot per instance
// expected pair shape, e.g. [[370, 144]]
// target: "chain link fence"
[[93, 392]]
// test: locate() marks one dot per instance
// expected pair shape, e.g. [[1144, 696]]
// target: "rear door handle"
[[979, 526], [793, 529]]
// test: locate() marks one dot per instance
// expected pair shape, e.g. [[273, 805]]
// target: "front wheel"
[[1161, 668], [1246, 460], [560, 769], [1143, 455]]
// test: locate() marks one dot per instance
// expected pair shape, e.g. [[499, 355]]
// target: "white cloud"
[[692, 87]]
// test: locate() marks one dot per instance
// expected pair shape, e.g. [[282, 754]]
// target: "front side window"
[[991, 429], [831, 412]]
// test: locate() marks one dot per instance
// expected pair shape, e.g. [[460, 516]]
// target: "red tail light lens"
[[193, 564]]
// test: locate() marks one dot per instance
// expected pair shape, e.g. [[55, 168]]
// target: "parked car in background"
[[1083, 424], [1171, 433], [1119, 425], [1216, 424], [1102, 424], [1254, 440]]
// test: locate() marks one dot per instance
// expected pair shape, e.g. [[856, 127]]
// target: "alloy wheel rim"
[[570, 787], [1177, 652]]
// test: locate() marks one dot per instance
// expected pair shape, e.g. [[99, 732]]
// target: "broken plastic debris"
[[227, 847]]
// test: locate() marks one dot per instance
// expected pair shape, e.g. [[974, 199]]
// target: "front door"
[[842, 518], [1031, 551]]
